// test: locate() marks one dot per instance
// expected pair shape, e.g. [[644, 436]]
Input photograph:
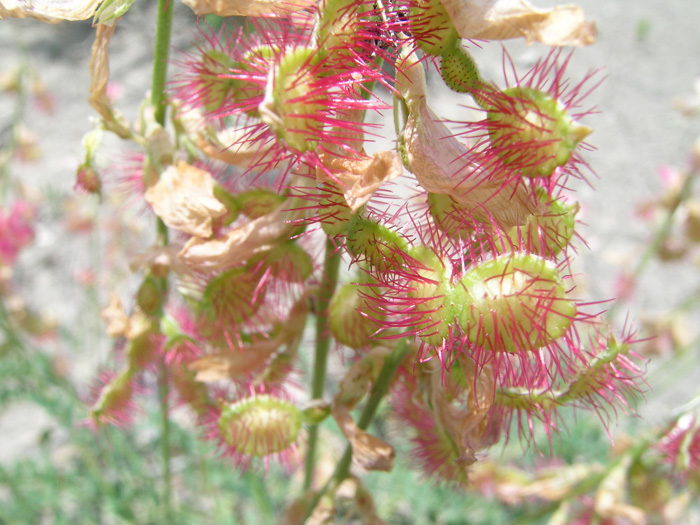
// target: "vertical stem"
[[160, 58], [323, 344], [379, 390], [165, 437], [158, 81]]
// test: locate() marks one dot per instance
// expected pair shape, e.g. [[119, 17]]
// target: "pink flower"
[[16, 230]]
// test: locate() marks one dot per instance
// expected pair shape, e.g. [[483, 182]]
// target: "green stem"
[[323, 344], [379, 390], [165, 437], [158, 100], [160, 59]]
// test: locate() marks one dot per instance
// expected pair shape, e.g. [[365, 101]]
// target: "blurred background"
[[647, 55]]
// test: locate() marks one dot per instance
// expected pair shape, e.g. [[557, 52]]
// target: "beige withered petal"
[[184, 199], [610, 496], [160, 260], [442, 164], [99, 76], [242, 242], [115, 317], [562, 25], [360, 177], [247, 7], [51, 11], [233, 147], [368, 451], [252, 358]]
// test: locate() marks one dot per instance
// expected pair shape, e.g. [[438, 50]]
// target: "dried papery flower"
[[502, 19], [247, 8], [450, 415], [443, 165], [51, 11], [183, 197], [257, 428]]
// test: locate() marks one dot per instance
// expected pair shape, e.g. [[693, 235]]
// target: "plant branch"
[[323, 343]]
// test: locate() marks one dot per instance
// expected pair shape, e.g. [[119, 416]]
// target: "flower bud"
[[516, 302], [531, 131]]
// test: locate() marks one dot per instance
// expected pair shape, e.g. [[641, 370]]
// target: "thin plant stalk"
[[158, 100], [323, 344], [379, 390]]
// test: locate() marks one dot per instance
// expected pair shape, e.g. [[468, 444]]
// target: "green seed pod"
[[347, 322], [381, 247], [258, 202], [287, 261], [150, 296], [294, 104], [231, 297], [260, 426], [432, 27], [547, 234], [531, 131], [516, 302]]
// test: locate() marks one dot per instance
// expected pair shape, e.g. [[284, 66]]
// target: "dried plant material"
[[115, 317], [51, 11], [610, 496], [160, 260], [360, 177], [442, 164], [240, 243], [184, 199], [99, 76], [246, 7], [363, 504], [239, 363], [233, 147], [562, 25], [368, 451]]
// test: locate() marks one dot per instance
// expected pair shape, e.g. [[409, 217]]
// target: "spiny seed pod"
[[446, 213], [459, 72], [287, 261], [231, 297], [531, 131], [293, 111], [259, 426], [150, 295], [347, 322], [379, 246], [428, 288], [258, 202], [431, 26], [547, 234], [214, 84], [516, 302]]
